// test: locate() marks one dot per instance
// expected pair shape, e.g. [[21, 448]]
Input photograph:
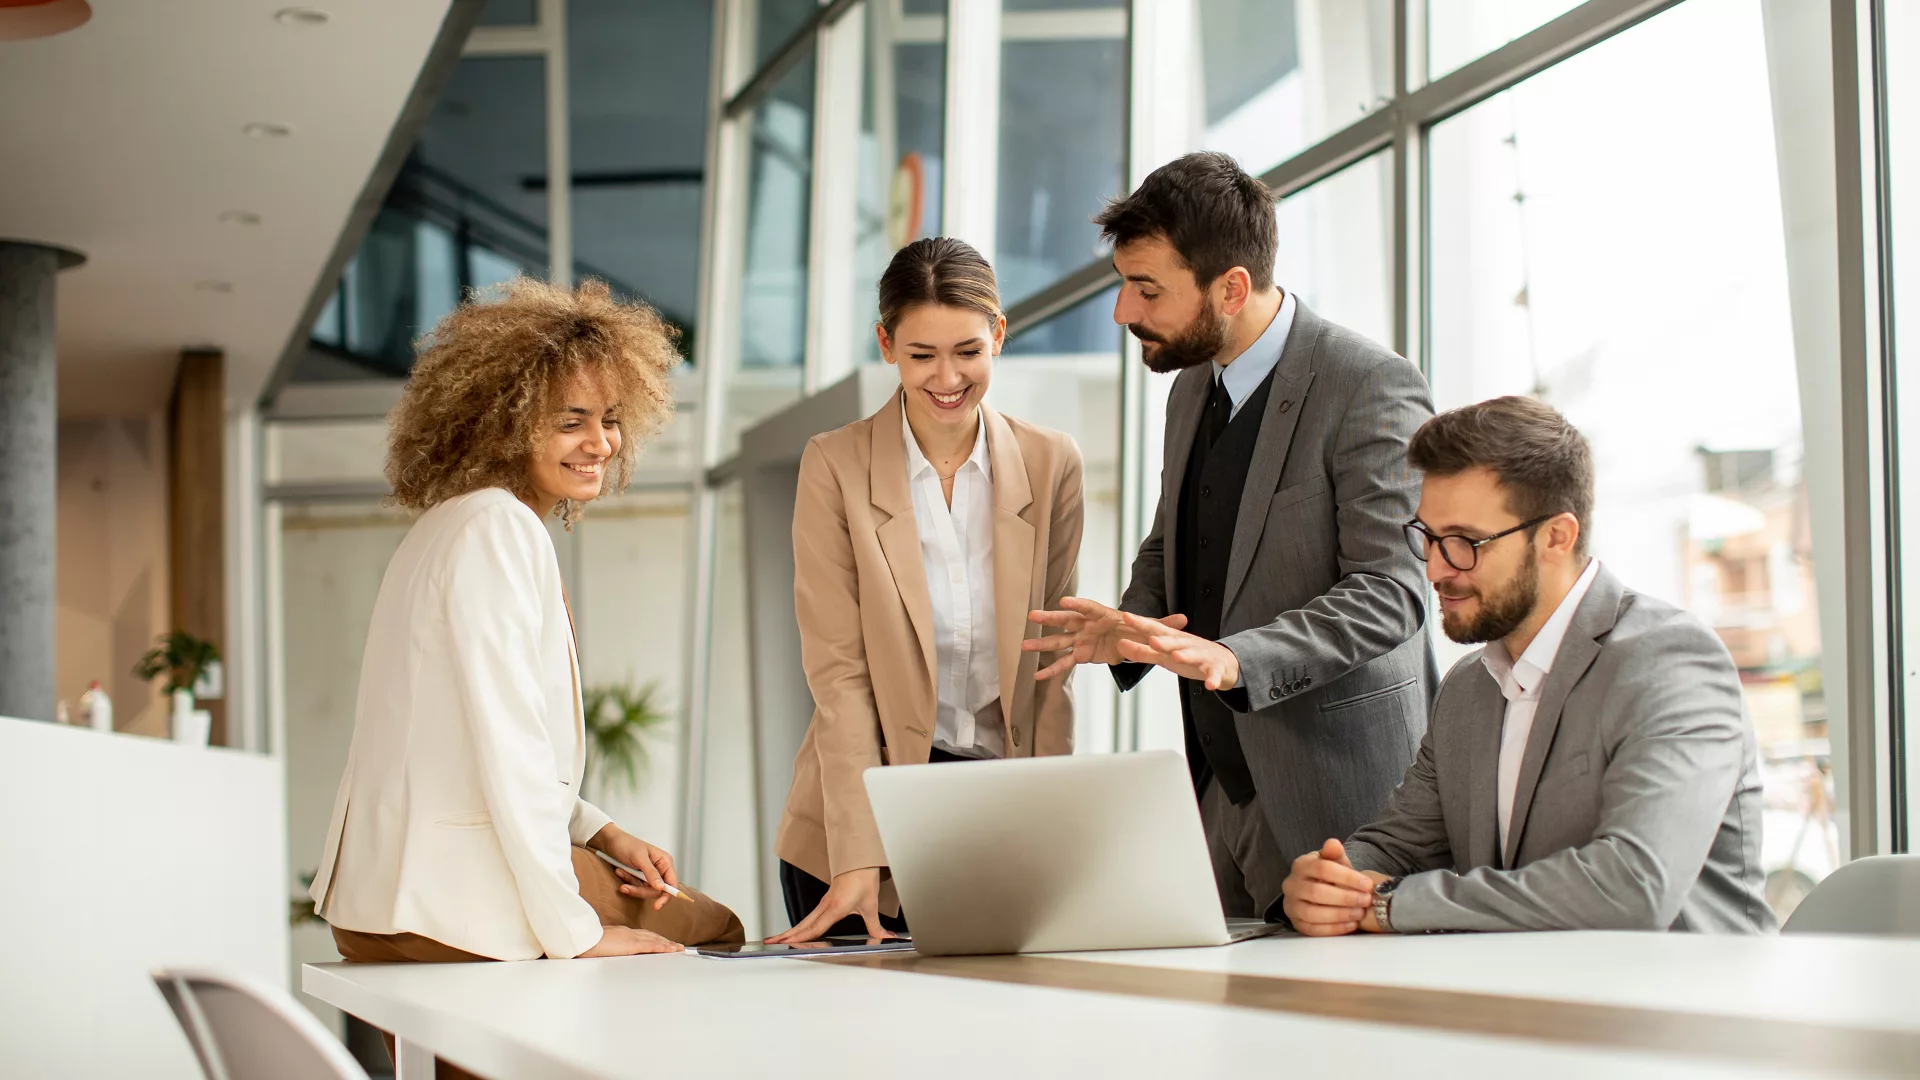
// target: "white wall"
[[122, 854]]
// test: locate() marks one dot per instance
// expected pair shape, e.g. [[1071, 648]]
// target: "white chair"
[[1879, 894], [242, 1030]]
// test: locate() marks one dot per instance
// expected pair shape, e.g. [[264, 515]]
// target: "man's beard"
[[1501, 613], [1201, 341]]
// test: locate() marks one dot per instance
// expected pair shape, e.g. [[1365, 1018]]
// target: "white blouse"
[[956, 545]]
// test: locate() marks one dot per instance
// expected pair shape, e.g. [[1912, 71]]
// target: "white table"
[[1560, 1005]]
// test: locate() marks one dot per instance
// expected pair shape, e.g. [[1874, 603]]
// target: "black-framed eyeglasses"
[[1461, 552]]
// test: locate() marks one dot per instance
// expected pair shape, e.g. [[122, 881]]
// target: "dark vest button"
[[1204, 541], [1205, 491], [1206, 590], [1206, 738]]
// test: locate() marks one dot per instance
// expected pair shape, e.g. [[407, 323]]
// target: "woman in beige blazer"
[[923, 535], [458, 832]]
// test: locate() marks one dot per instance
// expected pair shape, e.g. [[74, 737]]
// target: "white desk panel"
[[683, 1016]]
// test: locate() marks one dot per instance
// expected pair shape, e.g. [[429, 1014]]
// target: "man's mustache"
[[1145, 335]]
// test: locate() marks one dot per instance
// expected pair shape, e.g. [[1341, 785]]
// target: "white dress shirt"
[[956, 545], [1520, 683], [1247, 371]]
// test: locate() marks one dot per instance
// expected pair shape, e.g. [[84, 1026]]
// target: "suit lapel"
[[899, 535], [1013, 541], [1483, 715], [1591, 621], [1186, 400], [1290, 381]]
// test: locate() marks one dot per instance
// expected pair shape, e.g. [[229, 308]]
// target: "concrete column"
[[27, 510]]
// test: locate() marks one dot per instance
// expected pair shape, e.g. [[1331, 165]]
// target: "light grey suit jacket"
[[1325, 607], [1638, 802]]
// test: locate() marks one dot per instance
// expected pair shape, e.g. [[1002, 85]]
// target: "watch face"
[[1385, 888]]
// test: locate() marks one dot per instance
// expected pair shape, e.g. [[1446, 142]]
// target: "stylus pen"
[[618, 865]]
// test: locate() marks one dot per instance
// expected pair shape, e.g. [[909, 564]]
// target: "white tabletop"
[[684, 1016]]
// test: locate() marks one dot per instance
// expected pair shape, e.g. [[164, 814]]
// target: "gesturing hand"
[[1090, 633], [854, 892], [1324, 895], [1161, 642]]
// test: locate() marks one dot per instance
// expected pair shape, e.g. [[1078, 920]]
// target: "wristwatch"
[[1383, 903]]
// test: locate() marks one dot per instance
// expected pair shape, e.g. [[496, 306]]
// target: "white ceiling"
[[124, 140]]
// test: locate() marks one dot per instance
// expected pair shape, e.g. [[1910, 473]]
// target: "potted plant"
[[184, 660], [618, 720]]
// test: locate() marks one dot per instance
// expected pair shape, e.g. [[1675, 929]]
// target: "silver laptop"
[[1055, 854]]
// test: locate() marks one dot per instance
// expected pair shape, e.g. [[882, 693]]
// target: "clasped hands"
[[1093, 633]]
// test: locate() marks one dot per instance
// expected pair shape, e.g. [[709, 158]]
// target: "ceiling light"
[[264, 130], [239, 217], [213, 286], [300, 16]]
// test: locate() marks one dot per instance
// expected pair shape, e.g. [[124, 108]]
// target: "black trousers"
[[803, 892]]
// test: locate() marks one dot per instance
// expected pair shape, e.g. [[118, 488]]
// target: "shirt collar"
[[1248, 370], [1521, 677], [917, 462]]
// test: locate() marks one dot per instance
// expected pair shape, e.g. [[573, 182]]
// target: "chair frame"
[[179, 987]]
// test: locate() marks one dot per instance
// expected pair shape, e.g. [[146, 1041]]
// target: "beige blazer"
[[866, 619], [459, 809]]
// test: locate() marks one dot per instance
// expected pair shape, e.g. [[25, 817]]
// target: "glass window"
[[773, 293], [778, 21], [1901, 27], [1280, 75], [1062, 139], [638, 130], [1336, 247], [1607, 236], [468, 210], [902, 128], [1077, 390], [1459, 31], [510, 13]]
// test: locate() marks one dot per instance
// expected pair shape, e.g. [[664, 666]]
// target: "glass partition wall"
[[1615, 206]]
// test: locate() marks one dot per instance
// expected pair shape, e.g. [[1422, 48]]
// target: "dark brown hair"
[[937, 270], [1543, 463], [486, 388], [1215, 214]]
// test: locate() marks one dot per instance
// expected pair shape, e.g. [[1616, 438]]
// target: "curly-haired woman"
[[458, 832]]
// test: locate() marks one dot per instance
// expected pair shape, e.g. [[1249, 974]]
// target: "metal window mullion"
[[970, 184], [834, 197], [1862, 382], [791, 52], [1409, 187], [553, 22], [722, 235]]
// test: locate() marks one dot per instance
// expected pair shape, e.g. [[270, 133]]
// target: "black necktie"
[[1219, 411]]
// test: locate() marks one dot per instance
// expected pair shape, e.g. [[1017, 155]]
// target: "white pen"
[[618, 865]]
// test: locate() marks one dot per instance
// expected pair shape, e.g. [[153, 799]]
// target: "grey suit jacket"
[[1325, 607], [1638, 803]]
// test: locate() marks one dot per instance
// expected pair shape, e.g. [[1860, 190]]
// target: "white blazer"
[[460, 806]]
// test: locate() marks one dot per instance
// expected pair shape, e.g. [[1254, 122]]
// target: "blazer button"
[[1285, 405], [1276, 691], [1306, 682], [1016, 736]]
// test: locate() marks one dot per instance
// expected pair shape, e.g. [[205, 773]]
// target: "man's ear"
[[1563, 533], [1233, 289]]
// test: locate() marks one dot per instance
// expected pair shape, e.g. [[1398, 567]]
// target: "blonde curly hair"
[[486, 388]]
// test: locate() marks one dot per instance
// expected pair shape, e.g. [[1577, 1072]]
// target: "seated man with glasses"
[[1591, 768]]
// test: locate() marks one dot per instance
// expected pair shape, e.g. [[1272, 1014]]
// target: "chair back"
[[1879, 894], [242, 1030]]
